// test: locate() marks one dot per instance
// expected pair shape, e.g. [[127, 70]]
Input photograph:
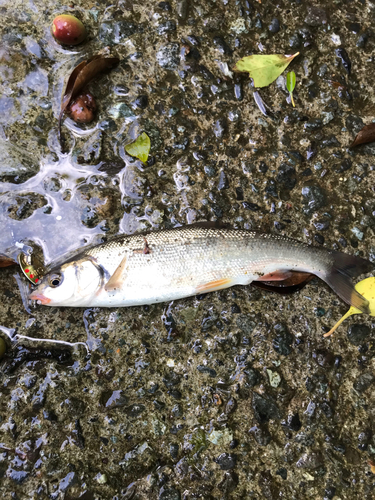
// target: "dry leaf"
[[82, 76], [6, 261], [367, 134]]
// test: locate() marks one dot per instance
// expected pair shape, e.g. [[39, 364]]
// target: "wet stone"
[[134, 411], [252, 377], [229, 482], [226, 461], [173, 450], [116, 399], [283, 341], [342, 54], [220, 127], [310, 461], [293, 422], [182, 7], [358, 334], [314, 198], [264, 408], [17, 476], [286, 176], [112, 33], [354, 124], [168, 56], [274, 26], [282, 472], [177, 411], [362, 40], [67, 481], [169, 494], [321, 225], [271, 188], [363, 382], [206, 369], [316, 16], [295, 41], [305, 439], [140, 102], [312, 125], [166, 6], [223, 181], [329, 492], [222, 46], [250, 206], [261, 435], [171, 379], [166, 27]]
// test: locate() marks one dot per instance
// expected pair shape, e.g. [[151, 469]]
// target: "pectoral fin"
[[118, 277]]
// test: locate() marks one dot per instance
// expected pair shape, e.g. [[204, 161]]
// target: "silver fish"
[[171, 264]]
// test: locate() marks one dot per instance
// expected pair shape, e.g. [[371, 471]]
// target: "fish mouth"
[[40, 298]]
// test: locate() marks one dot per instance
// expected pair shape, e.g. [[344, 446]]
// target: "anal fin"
[[214, 285], [278, 275], [118, 277], [294, 282]]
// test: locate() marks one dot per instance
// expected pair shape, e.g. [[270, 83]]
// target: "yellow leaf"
[[367, 289], [140, 148], [264, 69]]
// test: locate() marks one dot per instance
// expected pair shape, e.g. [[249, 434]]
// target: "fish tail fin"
[[339, 277]]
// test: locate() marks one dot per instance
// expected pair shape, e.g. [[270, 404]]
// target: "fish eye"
[[55, 280]]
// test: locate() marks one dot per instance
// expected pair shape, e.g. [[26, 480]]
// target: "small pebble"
[[274, 26]]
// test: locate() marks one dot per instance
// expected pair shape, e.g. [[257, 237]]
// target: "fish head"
[[73, 284]]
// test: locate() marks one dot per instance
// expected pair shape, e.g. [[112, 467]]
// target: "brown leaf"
[[82, 76], [6, 261], [367, 134]]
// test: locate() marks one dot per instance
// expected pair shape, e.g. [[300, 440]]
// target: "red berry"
[[82, 109], [68, 30]]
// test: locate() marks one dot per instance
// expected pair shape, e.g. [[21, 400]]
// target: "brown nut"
[[82, 109]]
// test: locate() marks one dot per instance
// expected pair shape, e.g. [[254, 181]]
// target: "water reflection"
[[48, 208]]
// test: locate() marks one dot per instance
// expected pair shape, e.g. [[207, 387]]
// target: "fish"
[[170, 264]]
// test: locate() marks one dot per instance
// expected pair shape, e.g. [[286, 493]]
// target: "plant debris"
[[140, 148], [82, 76], [367, 289], [290, 85], [365, 135], [6, 261], [264, 69]]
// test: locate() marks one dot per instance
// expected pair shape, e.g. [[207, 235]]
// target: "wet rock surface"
[[229, 395]]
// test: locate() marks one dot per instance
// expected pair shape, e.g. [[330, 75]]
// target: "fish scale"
[[170, 264]]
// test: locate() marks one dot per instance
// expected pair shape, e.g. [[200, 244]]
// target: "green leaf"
[[264, 69], [140, 148], [290, 81]]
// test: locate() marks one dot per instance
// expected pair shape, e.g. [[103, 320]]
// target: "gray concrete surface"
[[232, 395]]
